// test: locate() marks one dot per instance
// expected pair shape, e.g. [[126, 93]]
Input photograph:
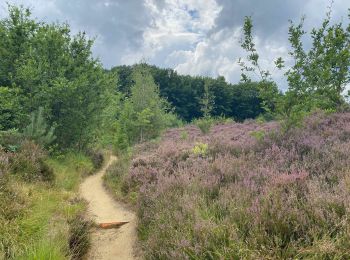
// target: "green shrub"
[[293, 119], [222, 120], [200, 149], [204, 124], [172, 120], [258, 135], [184, 135]]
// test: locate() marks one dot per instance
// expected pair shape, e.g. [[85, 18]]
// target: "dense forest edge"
[[251, 171]]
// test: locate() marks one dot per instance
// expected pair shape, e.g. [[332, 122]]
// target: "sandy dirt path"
[[108, 243]]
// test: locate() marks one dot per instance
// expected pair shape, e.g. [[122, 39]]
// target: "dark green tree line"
[[185, 93]]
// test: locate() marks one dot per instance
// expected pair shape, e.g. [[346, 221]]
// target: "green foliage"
[[43, 65], [186, 93], [172, 120], [108, 130], [207, 101], [268, 90], [252, 64], [204, 124], [10, 109], [184, 135], [200, 149], [38, 130], [115, 178], [294, 119], [35, 216], [259, 135], [319, 75], [144, 114]]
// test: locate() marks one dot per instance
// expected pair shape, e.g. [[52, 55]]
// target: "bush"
[[184, 135], [79, 240], [172, 120], [96, 157], [204, 124], [29, 163], [200, 149], [46, 172], [258, 135], [294, 119], [11, 140]]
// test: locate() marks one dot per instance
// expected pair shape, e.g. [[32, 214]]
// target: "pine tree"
[[38, 130]]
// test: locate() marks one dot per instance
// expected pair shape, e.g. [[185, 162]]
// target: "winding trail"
[[108, 243]]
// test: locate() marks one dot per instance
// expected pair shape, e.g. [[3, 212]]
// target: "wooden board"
[[112, 224]]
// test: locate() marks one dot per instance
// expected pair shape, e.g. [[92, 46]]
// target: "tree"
[[268, 89], [11, 113], [144, 113], [207, 101], [319, 75], [43, 65], [184, 93]]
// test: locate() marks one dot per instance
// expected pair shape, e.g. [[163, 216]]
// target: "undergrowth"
[[39, 216]]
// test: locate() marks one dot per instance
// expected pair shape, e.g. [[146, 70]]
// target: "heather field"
[[245, 190], [190, 129]]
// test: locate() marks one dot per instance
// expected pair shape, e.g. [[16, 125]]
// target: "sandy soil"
[[108, 243]]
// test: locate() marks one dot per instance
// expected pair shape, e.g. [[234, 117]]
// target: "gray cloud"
[[271, 17], [117, 25]]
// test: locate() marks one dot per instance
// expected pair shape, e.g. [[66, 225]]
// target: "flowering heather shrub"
[[286, 196], [29, 163]]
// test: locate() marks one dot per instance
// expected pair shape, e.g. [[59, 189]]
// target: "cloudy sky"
[[197, 37]]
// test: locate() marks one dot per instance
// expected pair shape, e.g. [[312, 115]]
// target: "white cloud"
[[218, 55], [182, 36], [176, 25]]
